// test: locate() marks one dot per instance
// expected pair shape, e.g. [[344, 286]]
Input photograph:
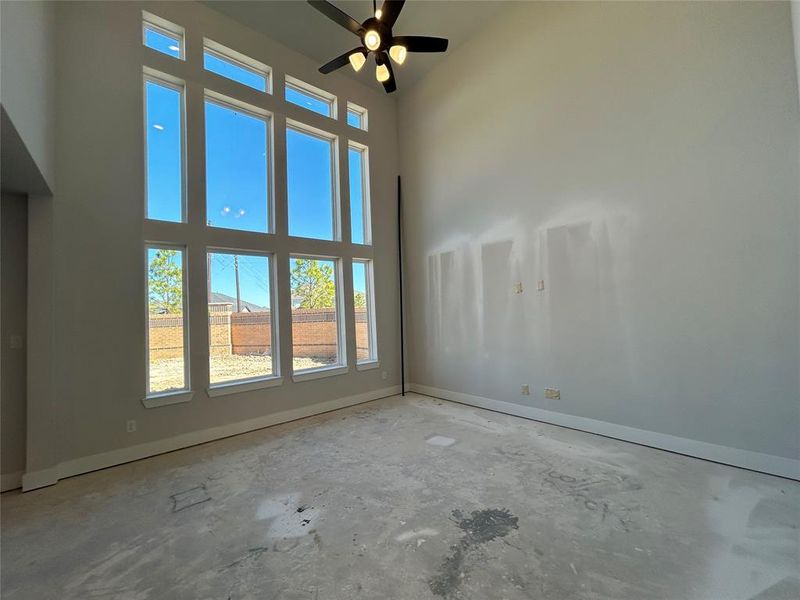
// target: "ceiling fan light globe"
[[372, 40], [398, 54], [357, 61], [382, 73]]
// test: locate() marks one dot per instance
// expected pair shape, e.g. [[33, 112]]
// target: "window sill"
[[237, 387], [167, 399], [320, 373], [367, 365]]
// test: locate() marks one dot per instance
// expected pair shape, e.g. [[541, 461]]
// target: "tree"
[[165, 282], [360, 299], [312, 284]]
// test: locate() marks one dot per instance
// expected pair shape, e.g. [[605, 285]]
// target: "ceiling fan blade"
[[340, 61], [337, 16], [390, 84], [390, 11], [421, 43]]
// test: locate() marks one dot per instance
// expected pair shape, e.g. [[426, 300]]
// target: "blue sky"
[[237, 183], [253, 277]]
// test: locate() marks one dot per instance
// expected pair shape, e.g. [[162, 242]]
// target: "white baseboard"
[[10, 481], [85, 464], [735, 457]]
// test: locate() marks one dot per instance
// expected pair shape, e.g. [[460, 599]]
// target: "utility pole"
[[208, 271], [208, 277], [236, 272]]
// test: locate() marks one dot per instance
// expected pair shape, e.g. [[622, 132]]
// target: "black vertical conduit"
[[400, 275]]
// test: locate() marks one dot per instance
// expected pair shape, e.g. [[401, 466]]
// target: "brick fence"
[[313, 333]]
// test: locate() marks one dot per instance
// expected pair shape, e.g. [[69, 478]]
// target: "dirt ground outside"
[[167, 374]]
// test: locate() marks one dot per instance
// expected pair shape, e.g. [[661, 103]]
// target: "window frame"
[[372, 360], [314, 92], [257, 113], [176, 396], [336, 196], [239, 60], [235, 386], [363, 116], [366, 199], [341, 366], [165, 28], [191, 235], [178, 85]]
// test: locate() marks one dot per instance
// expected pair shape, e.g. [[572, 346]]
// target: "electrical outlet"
[[540, 285], [15, 342], [384, 375], [518, 287], [526, 390], [552, 393], [130, 426]]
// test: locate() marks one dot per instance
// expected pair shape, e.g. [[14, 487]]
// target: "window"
[[237, 157], [359, 194], [167, 334], [241, 331], [164, 149], [311, 183], [238, 67], [251, 217], [162, 36], [310, 97], [316, 334], [356, 116], [366, 348]]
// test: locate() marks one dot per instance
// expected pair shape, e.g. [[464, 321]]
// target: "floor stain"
[[188, 498], [480, 527]]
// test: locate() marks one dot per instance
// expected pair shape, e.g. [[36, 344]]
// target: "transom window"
[[310, 97], [162, 36], [356, 116], [235, 66]]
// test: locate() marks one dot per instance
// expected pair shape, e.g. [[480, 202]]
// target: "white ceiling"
[[299, 26]]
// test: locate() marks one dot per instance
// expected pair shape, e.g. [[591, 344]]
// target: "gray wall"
[[27, 80], [98, 232], [641, 159], [13, 316]]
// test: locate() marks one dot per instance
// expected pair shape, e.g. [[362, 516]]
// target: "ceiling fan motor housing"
[[384, 31]]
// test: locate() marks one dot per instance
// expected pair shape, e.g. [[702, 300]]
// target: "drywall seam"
[[85, 464], [735, 457]]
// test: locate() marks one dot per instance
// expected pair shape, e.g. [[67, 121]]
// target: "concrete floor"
[[407, 499]]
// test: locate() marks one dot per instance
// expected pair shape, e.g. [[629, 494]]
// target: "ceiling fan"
[[377, 39]]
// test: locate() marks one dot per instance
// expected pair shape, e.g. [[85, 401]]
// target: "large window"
[[359, 196], [366, 347], [167, 334], [164, 149], [241, 331], [311, 183], [237, 158], [213, 197], [316, 331]]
